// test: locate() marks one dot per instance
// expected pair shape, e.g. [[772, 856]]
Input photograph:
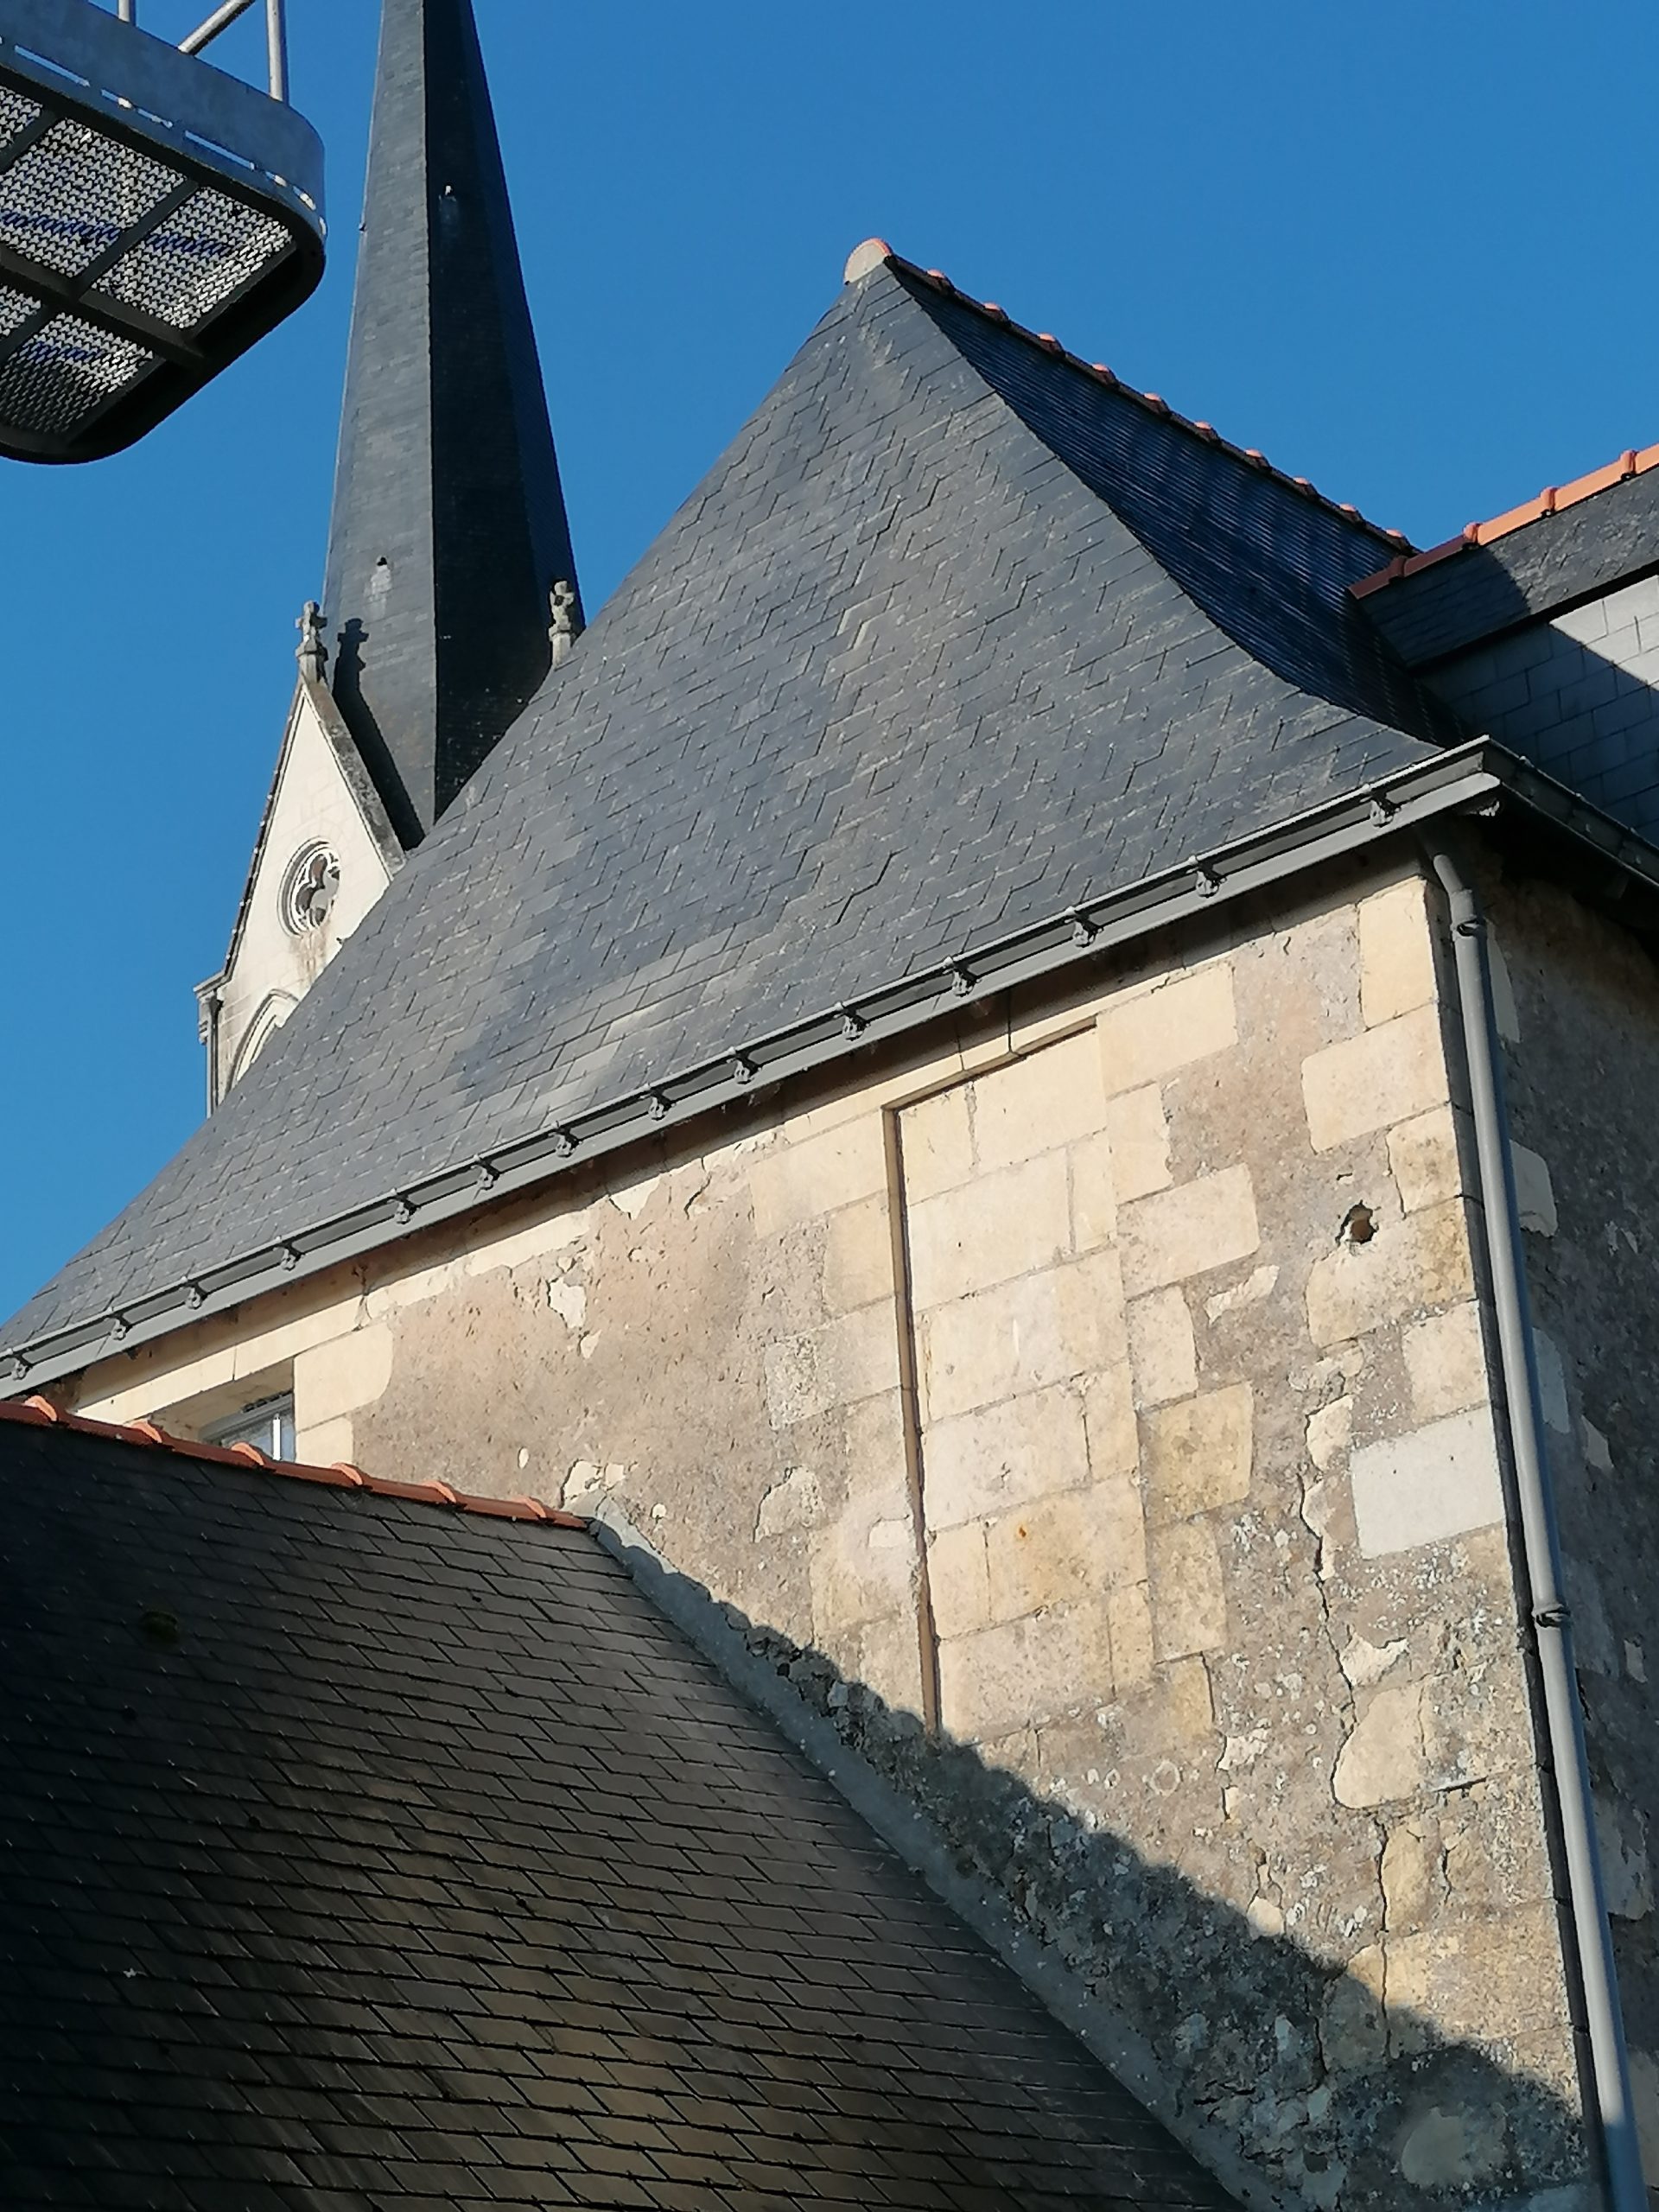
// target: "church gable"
[[325, 854]]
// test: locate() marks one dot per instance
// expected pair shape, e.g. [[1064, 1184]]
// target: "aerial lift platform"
[[157, 217]]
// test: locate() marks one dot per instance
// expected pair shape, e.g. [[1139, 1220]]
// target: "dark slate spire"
[[449, 533]]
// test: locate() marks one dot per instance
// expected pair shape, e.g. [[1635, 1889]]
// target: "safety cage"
[[157, 217]]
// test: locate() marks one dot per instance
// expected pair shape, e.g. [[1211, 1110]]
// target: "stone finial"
[[562, 630], [313, 654], [864, 260]]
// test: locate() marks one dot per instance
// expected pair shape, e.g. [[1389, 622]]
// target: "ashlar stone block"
[[1161, 1350], [1198, 1454], [1407, 1268], [1396, 952], [1189, 1597], [1137, 1131], [1000, 1457], [1052, 1552], [936, 1142], [344, 1375], [958, 1579], [1447, 1362], [1129, 1612], [1187, 1230], [797, 1180], [1149, 1036], [858, 1255], [1390, 1074], [1021, 1336], [1423, 1160], [1038, 1104], [1436, 1482], [989, 1230], [1094, 1193], [1383, 1759], [1109, 1422], [1025, 1670]]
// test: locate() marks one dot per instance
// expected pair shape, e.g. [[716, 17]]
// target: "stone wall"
[[1090, 1411], [1580, 1009]]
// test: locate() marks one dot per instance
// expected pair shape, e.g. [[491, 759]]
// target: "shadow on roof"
[[359, 1852]]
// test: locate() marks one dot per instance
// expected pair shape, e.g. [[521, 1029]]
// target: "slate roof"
[[956, 635], [361, 1854], [1568, 546], [448, 525]]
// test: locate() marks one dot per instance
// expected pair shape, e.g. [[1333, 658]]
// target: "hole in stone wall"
[[1358, 1226]]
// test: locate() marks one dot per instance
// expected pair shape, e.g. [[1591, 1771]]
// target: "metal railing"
[[221, 19]]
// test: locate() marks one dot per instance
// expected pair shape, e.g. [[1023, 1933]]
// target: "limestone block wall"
[[1090, 1411], [1580, 1008]]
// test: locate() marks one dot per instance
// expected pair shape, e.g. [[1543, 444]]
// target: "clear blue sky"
[[1403, 250]]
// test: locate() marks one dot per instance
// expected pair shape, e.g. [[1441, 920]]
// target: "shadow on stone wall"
[[1258, 2048]]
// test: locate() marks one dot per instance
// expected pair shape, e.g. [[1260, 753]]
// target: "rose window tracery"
[[309, 889]]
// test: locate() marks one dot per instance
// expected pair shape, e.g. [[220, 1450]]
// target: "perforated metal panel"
[[157, 218]]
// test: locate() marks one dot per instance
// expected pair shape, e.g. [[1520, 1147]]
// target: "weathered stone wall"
[[1106, 1385], [1579, 1008]]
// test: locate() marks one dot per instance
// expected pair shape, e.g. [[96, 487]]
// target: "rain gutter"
[[1469, 776]]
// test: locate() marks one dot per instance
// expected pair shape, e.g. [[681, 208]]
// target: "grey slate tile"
[[628, 1942]]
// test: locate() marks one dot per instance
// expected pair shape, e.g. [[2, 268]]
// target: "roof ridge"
[[1550, 501], [864, 257], [39, 1412]]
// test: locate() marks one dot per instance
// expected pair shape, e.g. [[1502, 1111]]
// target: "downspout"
[[1541, 1544]]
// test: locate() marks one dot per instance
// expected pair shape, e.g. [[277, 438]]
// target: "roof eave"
[[1472, 777]]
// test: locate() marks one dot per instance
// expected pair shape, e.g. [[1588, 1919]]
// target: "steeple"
[[451, 584]]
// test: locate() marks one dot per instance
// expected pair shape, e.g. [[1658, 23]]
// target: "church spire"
[[449, 562]]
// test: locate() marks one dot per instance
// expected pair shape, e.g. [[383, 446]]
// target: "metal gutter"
[[1541, 1543], [1468, 776]]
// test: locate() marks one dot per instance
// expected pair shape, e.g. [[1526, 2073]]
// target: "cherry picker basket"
[[157, 217]]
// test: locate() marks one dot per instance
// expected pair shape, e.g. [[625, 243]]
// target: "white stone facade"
[[318, 803]]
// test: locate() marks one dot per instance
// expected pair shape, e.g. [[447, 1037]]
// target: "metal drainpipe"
[[1541, 1544]]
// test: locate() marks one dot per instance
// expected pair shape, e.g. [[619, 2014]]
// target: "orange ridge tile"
[[40, 1412], [1150, 400], [1552, 500]]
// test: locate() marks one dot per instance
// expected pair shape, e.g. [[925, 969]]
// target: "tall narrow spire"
[[448, 540]]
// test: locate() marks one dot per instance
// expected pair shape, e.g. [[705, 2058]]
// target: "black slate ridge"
[[358, 1855], [895, 680]]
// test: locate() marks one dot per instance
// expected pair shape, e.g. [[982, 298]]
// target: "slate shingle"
[[423, 1863], [947, 642]]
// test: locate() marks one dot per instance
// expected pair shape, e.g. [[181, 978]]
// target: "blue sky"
[[1402, 250]]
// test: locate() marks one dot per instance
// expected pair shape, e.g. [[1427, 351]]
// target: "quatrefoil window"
[[309, 889]]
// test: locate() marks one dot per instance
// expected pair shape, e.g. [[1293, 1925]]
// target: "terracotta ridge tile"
[[1552, 500], [40, 1412], [1049, 344]]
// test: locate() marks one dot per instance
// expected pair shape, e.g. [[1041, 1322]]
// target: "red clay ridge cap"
[[1550, 501], [875, 253], [41, 1412]]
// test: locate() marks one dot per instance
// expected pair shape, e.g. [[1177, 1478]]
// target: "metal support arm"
[[222, 18]]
